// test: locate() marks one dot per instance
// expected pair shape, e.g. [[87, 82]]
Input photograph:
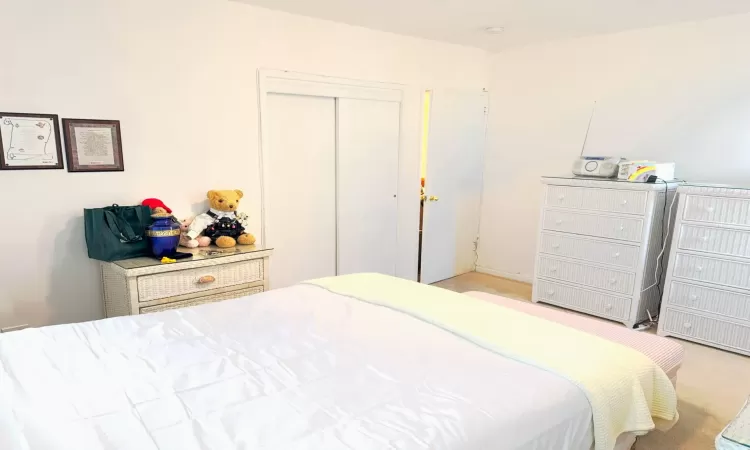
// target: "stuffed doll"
[[185, 241], [220, 222]]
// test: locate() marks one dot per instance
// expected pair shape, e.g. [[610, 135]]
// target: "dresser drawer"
[[727, 210], [587, 249], [582, 300], [707, 329], [202, 300], [712, 270], [623, 228], [723, 241], [712, 300], [172, 284], [607, 200], [587, 275]]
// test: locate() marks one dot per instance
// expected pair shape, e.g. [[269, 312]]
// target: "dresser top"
[[722, 190], [208, 254], [608, 183]]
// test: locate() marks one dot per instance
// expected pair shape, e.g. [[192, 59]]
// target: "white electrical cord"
[[663, 244]]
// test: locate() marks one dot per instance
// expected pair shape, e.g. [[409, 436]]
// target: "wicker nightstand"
[[144, 285]]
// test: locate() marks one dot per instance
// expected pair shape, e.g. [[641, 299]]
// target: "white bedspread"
[[290, 369]]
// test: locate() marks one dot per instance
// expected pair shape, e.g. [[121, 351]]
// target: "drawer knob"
[[553, 269], [699, 269], [206, 279], [709, 208], [550, 293], [612, 281], [704, 238], [624, 202], [622, 227], [561, 197], [688, 325], [558, 222], [693, 297], [608, 306], [616, 255], [555, 246]]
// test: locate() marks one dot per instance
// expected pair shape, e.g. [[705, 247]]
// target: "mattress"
[[666, 353], [298, 368]]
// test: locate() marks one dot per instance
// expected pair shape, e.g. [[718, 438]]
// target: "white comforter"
[[290, 369]]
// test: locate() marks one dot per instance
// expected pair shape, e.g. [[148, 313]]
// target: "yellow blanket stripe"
[[624, 387]]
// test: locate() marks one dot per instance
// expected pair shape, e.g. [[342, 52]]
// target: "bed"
[[300, 368]]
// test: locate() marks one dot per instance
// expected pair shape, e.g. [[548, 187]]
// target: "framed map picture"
[[93, 145], [30, 141]]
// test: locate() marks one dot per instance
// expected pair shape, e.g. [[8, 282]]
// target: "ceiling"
[[525, 21]]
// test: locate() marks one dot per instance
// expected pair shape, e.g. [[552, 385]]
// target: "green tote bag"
[[117, 232]]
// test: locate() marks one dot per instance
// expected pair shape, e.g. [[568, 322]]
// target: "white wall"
[[676, 93], [181, 77]]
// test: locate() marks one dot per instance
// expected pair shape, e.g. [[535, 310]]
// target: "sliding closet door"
[[301, 187], [367, 174]]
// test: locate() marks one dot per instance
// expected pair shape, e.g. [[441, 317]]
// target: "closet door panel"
[[301, 206], [367, 175]]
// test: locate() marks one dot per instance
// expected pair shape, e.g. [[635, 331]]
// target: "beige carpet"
[[712, 384]]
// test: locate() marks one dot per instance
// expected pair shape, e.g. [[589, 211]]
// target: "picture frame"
[[30, 141], [93, 145]]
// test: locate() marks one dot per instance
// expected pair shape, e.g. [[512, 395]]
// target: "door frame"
[[271, 81]]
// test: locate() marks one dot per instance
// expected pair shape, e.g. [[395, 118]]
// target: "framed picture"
[[93, 145], [30, 141]]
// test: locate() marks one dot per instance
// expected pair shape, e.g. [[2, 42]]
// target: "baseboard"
[[511, 276]]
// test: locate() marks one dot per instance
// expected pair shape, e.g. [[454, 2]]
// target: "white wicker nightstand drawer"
[[707, 329], [712, 270], [172, 284], [716, 301], [202, 300], [588, 249], [726, 210], [722, 241], [582, 300], [584, 274], [613, 227], [606, 200]]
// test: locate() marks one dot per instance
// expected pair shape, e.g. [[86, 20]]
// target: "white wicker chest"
[[144, 285], [707, 293], [598, 245]]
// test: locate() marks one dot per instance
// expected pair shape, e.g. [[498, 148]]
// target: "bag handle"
[[120, 228]]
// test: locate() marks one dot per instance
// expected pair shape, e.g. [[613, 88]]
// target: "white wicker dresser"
[[598, 245], [144, 285], [707, 292]]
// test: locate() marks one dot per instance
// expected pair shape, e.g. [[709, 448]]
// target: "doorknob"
[[434, 198]]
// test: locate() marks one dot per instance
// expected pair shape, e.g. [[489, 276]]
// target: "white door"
[[453, 183], [300, 187], [367, 170]]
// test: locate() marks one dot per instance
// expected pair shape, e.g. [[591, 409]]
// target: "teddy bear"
[[220, 223], [185, 241]]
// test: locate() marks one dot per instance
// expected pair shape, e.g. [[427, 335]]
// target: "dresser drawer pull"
[[551, 293], [612, 280], [206, 279], [624, 202], [622, 227], [555, 246], [693, 298], [553, 269], [710, 209], [616, 255], [704, 238], [688, 325], [561, 197], [608, 306], [699, 269], [558, 222]]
